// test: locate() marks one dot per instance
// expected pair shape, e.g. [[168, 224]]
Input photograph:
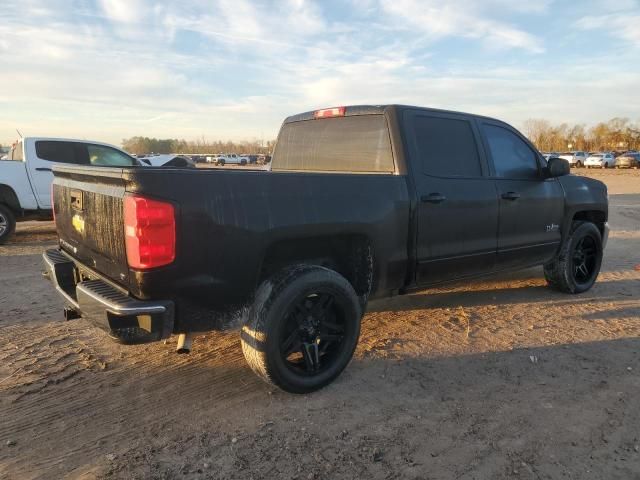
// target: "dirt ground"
[[500, 378]]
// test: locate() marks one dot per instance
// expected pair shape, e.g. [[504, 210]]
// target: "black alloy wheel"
[[302, 329], [311, 339], [584, 260]]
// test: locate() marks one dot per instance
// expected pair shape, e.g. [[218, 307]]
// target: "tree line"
[[618, 134], [141, 145]]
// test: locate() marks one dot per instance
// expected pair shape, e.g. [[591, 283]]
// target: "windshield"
[[598, 155]]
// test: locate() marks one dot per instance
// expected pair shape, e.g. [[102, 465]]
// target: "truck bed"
[[229, 226]]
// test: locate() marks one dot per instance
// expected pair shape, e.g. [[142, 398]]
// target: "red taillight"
[[149, 231], [329, 112]]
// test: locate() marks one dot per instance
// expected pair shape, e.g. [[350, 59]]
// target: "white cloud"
[[625, 26], [127, 11], [236, 68], [461, 18]]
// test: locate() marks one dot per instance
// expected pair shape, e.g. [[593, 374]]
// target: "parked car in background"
[[252, 158], [216, 159], [600, 160], [167, 160], [25, 175], [576, 159], [628, 160], [263, 159], [235, 159]]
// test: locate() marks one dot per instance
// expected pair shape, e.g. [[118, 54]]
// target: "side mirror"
[[557, 167]]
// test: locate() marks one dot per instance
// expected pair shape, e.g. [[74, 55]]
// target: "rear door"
[[457, 212], [531, 205]]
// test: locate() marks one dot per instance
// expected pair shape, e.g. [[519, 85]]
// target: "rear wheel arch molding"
[[9, 197], [351, 255]]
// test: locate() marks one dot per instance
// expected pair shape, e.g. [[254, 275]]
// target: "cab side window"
[[512, 157], [57, 151], [446, 146]]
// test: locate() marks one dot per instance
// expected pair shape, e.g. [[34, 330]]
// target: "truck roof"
[[350, 110], [77, 140]]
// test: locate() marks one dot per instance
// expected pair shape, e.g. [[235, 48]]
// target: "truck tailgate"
[[89, 217]]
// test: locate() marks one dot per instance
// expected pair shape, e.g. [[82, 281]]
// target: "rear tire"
[[577, 265], [7, 223], [302, 328]]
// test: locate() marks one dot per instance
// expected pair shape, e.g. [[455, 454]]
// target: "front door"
[[531, 205], [457, 212]]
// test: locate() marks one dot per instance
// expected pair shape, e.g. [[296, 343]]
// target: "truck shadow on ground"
[[485, 294]]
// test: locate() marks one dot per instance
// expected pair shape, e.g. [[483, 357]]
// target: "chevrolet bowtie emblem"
[[78, 223]]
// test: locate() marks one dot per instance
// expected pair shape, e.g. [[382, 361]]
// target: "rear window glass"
[[16, 153], [357, 143], [55, 151], [446, 146]]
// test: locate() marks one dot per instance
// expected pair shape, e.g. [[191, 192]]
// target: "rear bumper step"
[[125, 318]]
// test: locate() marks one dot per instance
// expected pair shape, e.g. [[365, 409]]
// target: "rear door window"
[[446, 146], [57, 151], [358, 143]]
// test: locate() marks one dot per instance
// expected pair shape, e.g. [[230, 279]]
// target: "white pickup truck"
[[25, 175], [230, 158]]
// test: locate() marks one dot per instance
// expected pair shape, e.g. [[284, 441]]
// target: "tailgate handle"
[[433, 198], [76, 200], [511, 196], [43, 169]]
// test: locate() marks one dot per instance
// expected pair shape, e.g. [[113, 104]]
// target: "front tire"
[[7, 223], [578, 164], [577, 265], [302, 328]]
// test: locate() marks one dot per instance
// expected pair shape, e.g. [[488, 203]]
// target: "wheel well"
[[10, 199], [349, 255], [594, 216]]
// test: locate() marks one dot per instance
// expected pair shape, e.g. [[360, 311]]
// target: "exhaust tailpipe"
[[184, 343], [71, 313]]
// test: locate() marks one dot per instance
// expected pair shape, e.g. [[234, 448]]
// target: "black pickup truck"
[[360, 202]]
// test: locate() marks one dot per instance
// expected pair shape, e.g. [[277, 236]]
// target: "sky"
[[234, 69]]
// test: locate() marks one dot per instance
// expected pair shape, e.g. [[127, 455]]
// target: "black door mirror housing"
[[557, 167]]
